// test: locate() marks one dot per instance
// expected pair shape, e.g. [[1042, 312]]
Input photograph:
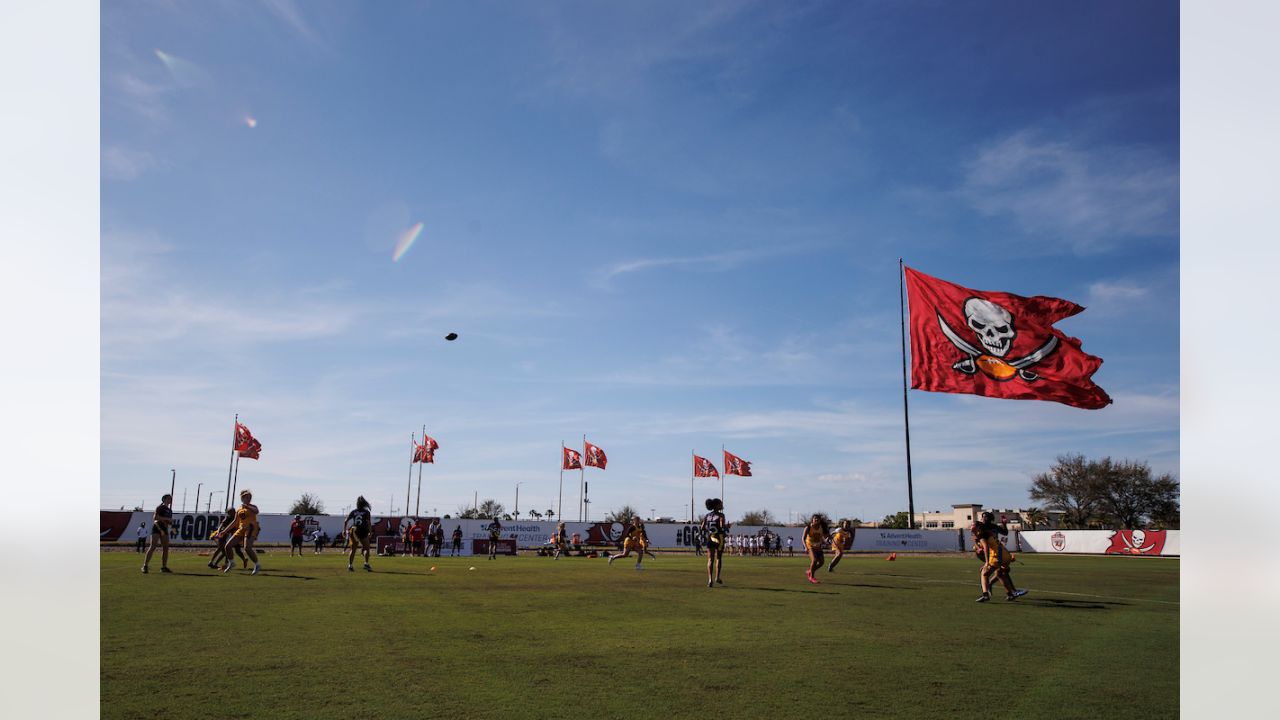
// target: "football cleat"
[[144, 569], [1015, 594], [984, 597], [165, 569]]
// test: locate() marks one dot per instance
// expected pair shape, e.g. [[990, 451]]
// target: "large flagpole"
[[582, 477], [560, 502], [723, 471], [231, 460], [236, 481], [693, 472], [417, 504], [408, 487], [906, 418]]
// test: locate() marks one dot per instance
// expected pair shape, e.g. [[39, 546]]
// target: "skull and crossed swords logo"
[[993, 326]]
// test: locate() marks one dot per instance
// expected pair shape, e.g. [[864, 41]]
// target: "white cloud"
[[1090, 198], [122, 163], [291, 16]]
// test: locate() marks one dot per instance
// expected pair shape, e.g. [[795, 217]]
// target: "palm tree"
[[536, 515], [551, 514], [1034, 516]]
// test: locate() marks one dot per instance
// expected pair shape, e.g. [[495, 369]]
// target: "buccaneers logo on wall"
[[1136, 542]]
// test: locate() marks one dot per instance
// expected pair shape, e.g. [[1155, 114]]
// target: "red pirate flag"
[[246, 444], [572, 459], [997, 344], [595, 456], [426, 452], [703, 467], [734, 465]]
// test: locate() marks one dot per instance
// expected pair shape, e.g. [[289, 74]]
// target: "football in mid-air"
[[451, 337]]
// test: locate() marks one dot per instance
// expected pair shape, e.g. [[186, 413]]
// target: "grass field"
[[529, 637]]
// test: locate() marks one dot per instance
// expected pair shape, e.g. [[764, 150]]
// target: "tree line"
[[1108, 492]]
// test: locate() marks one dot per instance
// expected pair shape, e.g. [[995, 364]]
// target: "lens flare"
[[406, 241], [251, 121]]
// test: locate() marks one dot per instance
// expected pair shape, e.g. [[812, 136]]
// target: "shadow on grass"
[[778, 589], [1068, 604], [882, 587]]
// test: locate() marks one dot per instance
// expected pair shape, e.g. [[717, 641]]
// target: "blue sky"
[[667, 226]]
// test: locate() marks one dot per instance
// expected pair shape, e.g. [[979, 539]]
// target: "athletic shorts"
[[999, 557], [818, 556], [157, 530], [296, 542]]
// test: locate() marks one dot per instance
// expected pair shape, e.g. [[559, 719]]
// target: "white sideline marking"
[[1051, 592]]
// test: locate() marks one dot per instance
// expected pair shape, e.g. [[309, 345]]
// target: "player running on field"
[[840, 541], [359, 525], [714, 528], [997, 563], [634, 539], [814, 536], [246, 531], [560, 540], [220, 537]]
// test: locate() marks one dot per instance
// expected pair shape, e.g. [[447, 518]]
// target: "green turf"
[[531, 637]]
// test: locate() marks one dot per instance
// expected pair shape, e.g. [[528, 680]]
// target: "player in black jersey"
[[714, 527], [161, 519], [359, 523], [495, 534]]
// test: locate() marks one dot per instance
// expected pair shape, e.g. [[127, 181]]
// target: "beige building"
[[963, 515]]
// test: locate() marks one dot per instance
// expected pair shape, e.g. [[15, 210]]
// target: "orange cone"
[[892, 556]]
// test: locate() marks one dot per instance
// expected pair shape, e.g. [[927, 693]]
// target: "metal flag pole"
[[560, 502], [724, 471], [236, 480], [906, 417], [692, 474], [408, 487], [582, 478], [234, 426], [417, 505]]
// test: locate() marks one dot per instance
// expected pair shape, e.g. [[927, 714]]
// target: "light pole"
[[209, 508], [518, 499], [198, 486], [651, 510]]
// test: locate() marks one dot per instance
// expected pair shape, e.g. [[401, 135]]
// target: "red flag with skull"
[[572, 459], [703, 467], [246, 444], [426, 452], [997, 344], [734, 465], [595, 457]]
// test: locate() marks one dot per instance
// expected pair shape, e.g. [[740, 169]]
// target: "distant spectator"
[[415, 539], [297, 529], [161, 519], [142, 537], [456, 548], [435, 537]]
